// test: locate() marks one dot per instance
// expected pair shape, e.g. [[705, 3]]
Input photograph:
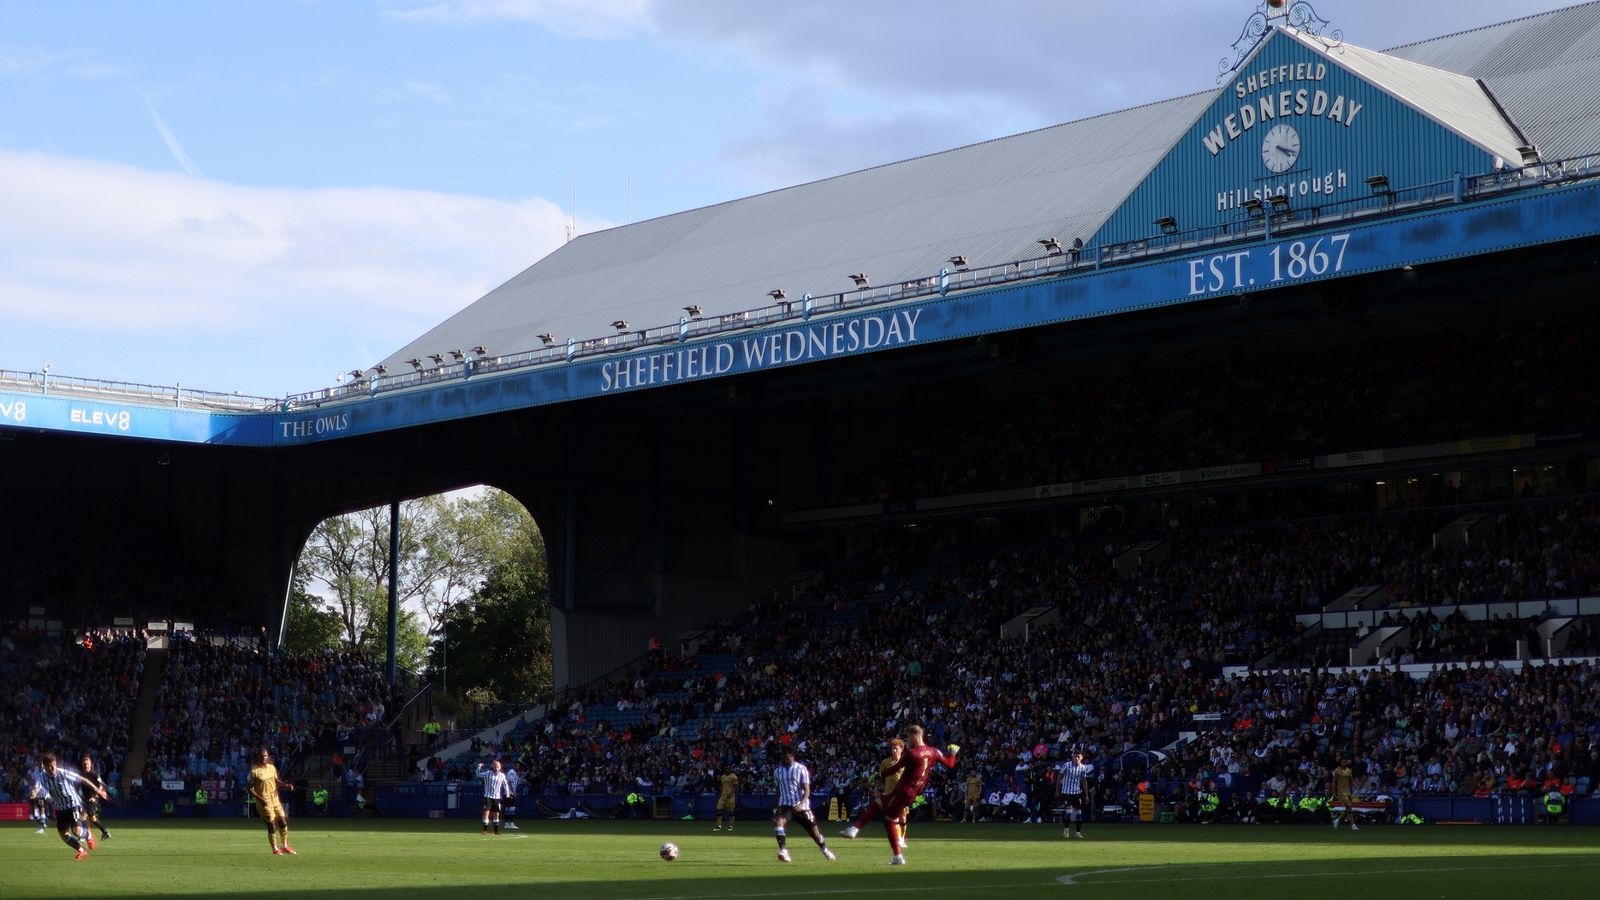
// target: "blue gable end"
[[1293, 122]]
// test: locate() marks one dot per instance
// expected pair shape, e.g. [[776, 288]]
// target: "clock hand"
[[1285, 150]]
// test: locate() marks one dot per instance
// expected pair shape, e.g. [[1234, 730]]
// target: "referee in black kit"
[[1072, 784]]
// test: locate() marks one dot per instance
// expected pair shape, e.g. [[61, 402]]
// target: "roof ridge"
[[1537, 15], [896, 162]]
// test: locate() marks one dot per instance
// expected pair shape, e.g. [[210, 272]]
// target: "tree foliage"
[[312, 627], [448, 548], [496, 642]]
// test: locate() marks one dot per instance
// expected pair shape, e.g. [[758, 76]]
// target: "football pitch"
[[439, 859]]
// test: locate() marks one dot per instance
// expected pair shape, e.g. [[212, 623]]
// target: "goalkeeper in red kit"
[[913, 768]]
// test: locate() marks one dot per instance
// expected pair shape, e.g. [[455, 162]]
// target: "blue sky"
[[254, 196]]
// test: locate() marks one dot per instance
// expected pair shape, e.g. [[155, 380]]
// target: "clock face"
[[1281, 148]]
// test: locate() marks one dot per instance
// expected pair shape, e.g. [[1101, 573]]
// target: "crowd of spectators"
[[1134, 656], [71, 694], [220, 700], [1128, 654], [1118, 417], [1475, 730]]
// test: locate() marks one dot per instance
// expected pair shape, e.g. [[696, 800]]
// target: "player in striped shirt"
[[495, 791], [1072, 786], [63, 787], [513, 783], [794, 802], [38, 799]]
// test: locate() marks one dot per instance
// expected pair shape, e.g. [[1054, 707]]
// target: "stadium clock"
[[1280, 150]]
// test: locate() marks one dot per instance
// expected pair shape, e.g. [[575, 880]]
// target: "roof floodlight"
[[1167, 224], [958, 261], [861, 280], [1379, 184], [1051, 246]]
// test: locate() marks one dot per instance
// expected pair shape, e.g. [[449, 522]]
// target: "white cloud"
[[102, 248], [594, 19]]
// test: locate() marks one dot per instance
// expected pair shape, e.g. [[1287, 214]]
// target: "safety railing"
[[46, 383]]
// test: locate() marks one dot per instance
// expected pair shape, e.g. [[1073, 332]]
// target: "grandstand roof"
[[993, 201]]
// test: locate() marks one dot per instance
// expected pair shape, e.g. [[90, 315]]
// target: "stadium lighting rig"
[[1379, 184], [693, 310], [547, 338], [438, 358], [1530, 155], [415, 363], [480, 351], [1052, 247], [861, 280], [621, 325], [958, 261], [1167, 224], [458, 355]]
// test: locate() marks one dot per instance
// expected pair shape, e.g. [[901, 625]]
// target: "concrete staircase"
[[155, 666]]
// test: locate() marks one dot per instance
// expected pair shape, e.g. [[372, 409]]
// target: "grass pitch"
[[370, 859]]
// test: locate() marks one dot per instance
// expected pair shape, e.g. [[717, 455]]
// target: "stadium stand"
[[220, 700], [67, 695], [1130, 414], [1136, 658]]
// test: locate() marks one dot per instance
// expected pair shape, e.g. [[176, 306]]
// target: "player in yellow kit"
[[1343, 795], [727, 800], [889, 772], [264, 786]]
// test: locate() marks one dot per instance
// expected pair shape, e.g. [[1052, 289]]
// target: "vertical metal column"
[[394, 585]]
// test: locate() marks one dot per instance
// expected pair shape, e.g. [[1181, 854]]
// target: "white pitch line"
[[1072, 880]]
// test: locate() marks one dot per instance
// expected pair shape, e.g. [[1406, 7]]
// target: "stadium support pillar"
[[394, 582]]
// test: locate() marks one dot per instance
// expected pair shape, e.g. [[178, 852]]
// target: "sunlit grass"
[[415, 858]]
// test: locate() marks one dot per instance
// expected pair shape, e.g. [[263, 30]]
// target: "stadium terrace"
[[1084, 488]]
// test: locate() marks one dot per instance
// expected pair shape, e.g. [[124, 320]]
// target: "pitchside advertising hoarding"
[[1522, 220]]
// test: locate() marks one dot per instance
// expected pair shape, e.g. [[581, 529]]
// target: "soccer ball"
[[669, 851]]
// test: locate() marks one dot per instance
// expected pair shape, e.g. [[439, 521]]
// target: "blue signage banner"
[[1526, 219]]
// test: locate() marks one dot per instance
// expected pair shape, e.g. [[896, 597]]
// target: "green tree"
[[312, 627], [496, 642], [452, 550]]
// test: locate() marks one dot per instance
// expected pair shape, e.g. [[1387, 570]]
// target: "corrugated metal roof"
[[1456, 101], [1543, 70], [991, 201]]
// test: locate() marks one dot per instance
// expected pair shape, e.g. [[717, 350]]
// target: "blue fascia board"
[[1443, 233]]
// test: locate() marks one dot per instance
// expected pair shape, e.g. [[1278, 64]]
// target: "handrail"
[[1261, 223], [46, 382]]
